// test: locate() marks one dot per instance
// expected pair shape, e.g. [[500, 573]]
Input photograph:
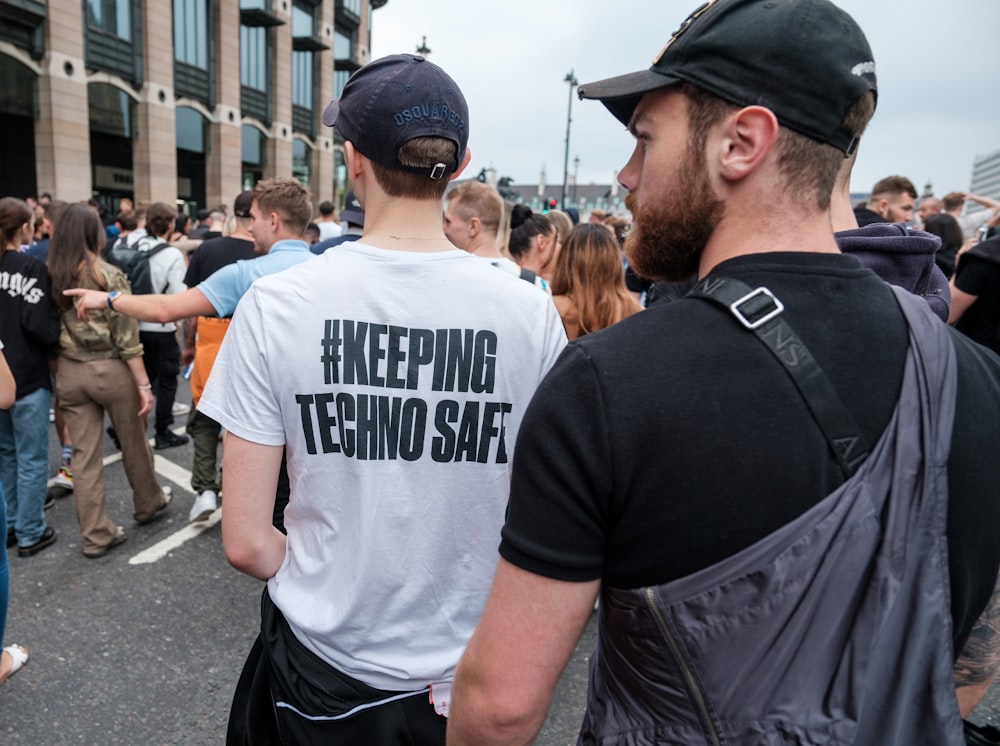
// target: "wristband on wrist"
[[144, 385]]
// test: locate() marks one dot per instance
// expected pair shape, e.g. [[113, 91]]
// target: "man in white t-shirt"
[[327, 222], [473, 212], [395, 372]]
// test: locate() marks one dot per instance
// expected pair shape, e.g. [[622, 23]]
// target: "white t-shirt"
[[397, 382], [328, 229], [166, 269]]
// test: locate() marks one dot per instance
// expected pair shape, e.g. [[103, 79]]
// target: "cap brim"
[[622, 93], [330, 113]]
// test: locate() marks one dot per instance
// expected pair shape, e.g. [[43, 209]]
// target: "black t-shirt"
[[674, 439], [214, 254], [980, 276]]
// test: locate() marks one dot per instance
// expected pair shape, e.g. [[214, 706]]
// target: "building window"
[[191, 33], [304, 45], [343, 46], [256, 20], [354, 6], [190, 129], [302, 79], [302, 21], [253, 57], [193, 73], [300, 161], [111, 16], [339, 81], [113, 38], [254, 155]]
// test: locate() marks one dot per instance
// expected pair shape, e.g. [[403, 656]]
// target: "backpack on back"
[[135, 264]]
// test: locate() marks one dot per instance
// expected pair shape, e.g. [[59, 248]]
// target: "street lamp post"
[[573, 82]]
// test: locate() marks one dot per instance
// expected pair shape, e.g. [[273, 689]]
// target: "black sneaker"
[[11, 538], [114, 437], [47, 539], [169, 439], [50, 500]]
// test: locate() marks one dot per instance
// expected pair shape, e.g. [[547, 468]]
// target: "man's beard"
[[669, 234]]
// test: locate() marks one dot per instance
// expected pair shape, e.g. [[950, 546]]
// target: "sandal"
[[18, 657]]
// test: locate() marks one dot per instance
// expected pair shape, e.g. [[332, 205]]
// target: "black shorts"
[[288, 695]]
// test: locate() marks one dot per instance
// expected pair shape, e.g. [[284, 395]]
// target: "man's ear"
[[744, 140], [353, 159], [881, 207], [475, 226], [462, 165]]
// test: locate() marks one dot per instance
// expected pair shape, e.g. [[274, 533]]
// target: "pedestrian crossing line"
[[160, 550], [176, 474]]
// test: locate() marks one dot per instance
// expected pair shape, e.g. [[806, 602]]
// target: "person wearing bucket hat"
[[394, 370], [775, 563]]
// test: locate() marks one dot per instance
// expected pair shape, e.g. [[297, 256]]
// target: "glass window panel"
[[111, 110], [251, 145], [302, 22], [191, 32], [253, 57], [343, 46], [353, 6], [190, 129], [302, 79], [339, 81], [253, 4], [111, 16], [300, 162]]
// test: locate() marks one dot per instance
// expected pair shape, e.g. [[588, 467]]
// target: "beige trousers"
[[86, 391]]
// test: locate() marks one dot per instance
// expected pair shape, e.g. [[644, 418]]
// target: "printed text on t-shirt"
[[380, 426]]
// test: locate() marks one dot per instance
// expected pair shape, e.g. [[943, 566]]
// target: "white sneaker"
[[180, 408], [204, 505]]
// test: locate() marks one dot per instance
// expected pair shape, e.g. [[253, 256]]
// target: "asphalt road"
[[144, 646]]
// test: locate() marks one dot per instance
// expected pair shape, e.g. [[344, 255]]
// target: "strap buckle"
[[738, 311]]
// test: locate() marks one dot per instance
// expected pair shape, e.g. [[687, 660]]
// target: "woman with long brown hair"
[[588, 284], [100, 370]]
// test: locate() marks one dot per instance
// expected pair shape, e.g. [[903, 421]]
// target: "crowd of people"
[[756, 443]]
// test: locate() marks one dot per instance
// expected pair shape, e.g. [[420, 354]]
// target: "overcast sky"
[[937, 65]]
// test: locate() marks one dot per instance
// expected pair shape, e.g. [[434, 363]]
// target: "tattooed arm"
[[976, 667]]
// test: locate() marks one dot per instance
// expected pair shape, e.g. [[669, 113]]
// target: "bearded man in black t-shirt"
[[763, 576]]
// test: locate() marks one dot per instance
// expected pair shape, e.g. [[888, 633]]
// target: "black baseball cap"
[[394, 99], [805, 60], [242, 204]]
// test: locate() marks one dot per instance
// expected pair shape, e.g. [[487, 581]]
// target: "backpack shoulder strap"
[[760, 312], [528, 275]]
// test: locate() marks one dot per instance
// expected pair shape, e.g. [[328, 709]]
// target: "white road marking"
[[181, 477], [160, 550], [176, 474]]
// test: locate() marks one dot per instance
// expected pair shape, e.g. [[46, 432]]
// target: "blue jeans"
[[24, 464]]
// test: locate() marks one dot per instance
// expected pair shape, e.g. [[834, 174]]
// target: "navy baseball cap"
[[395, 99], [805, 60], [353, 212]]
